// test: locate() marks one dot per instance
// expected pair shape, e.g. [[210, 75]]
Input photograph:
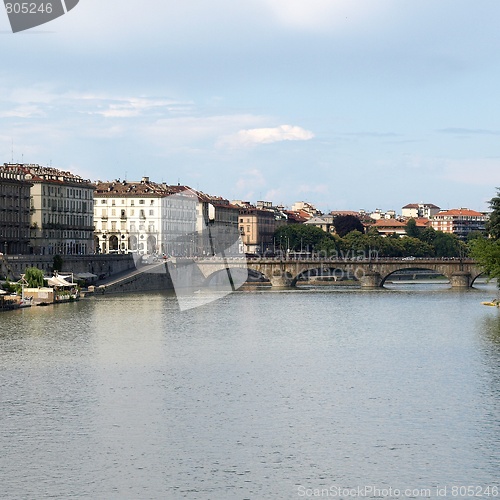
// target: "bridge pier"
[[281, 280], [461, 279], [370, 279]]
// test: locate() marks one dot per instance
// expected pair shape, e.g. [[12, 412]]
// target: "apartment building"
[[257, 227], [419, 210], [459, 221], [14, 211], [217, 226], [144, 217], [61, 211]]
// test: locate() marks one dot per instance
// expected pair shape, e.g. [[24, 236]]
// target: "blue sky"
[[346, 104]]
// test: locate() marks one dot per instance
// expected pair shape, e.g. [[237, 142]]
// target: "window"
[[141, 202], [151, 212]]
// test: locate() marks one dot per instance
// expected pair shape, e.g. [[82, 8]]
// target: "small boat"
[[493, 303]]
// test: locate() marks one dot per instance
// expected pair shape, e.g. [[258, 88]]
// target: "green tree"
[[428, 235], [34, 277], [416, 248], [297, 237], [344, 224], [411, 228], [446, 245], [487, 254], [493, 225], [57, 263]]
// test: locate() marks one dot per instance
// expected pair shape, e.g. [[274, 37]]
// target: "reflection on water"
[[252, 396]]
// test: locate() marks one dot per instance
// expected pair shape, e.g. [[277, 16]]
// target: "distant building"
[[61, 220], [14, 211], [221, 218], [324, 222], [379, 214], [419, 210], [423, 222], [257, 227], [307, 208], [389, 227], [459, 221], [294, 217], [347, 212]]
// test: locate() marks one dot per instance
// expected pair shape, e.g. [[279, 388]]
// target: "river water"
[[260, 395]]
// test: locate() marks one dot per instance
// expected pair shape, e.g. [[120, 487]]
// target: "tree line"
[[350, 238], [486, 252]]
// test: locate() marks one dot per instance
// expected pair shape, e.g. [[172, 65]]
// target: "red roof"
[[422, 222], [389, 223], [460, 212]]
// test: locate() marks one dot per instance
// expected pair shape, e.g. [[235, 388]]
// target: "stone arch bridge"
[[370, 273]]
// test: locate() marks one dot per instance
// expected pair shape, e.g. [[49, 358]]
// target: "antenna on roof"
[[12, 150]]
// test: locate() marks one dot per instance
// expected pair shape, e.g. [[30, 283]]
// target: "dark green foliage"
[[8, 286], [344, 224], [34, 277], [493, 225], [411, 229], [487, 254], [297, 237], [58, 263], [430, 243]]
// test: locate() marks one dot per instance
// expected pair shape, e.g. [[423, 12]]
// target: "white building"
[[420, 210], [144, 217]]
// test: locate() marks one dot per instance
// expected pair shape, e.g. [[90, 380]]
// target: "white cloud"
[[187, 130], [27, 111], [132, 107], [251, 137]]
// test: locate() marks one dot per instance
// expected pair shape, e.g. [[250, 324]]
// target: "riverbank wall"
[[102, 265]]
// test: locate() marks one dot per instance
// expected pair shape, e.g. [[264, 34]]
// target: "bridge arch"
[[385, 277], [370, 273], [325, 270], [475, 276]]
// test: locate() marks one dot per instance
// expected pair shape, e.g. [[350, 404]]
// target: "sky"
[[346, 104]]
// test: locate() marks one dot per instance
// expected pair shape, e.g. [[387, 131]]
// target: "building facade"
[[144, 217], [459, 221], [257, 227], [61, 221], [15, 208], [419, 210], [217, 226]]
